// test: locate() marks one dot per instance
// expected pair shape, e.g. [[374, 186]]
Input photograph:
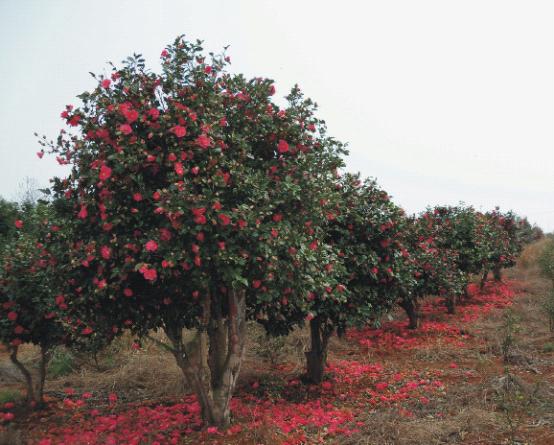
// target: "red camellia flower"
[[154, 113], [105, 172], [19, 329], [313, 245], [224, 219], [199, 217], [283, 146], [127, 292], [87, 331], [203, 141], [164, 53], [165, 234], [12, 316], [125, 129], [74, 121], [151, 246], [137, 197], [19, 224], [179, 131], [195, 170], [106, 83], [40, 154]]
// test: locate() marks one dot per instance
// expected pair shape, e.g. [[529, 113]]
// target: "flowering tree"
[[370, 272], [436, 269], [29, 307], [499, 240], [193, 198], [454, 228]]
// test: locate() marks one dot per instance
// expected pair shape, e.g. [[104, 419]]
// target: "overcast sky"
[[442, 101]]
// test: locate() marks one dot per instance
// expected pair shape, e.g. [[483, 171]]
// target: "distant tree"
[[30, 309]]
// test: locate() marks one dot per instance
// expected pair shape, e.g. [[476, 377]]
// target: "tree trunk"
[[411, 310], [451, 304], [483, 279], [44, 359], [26, 374], [497, 273], [316, 357], [211, 361]]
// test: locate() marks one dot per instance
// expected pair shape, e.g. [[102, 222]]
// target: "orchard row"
[[194, 203]]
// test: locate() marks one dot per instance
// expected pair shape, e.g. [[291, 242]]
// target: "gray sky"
[[442, 101]]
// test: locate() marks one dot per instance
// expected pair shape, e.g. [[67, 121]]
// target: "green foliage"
[[546, 260], [28, 309], [9, 395], [62, 362]]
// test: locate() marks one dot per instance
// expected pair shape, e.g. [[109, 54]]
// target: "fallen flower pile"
[[437, 326], [287, 412]]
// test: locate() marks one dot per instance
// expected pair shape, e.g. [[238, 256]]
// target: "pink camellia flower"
[[125, 129], [12, 316], [127, 292], [137, 197], [112, 397], [151, 246], [86, 395], [179, 169], [83, 212], [19, 330], [283, 146], [19, 224], [195, 170], [149, 274], [164, 53], [106, 83], [179, 131], [106, 252], [40, 154], [87, 331]]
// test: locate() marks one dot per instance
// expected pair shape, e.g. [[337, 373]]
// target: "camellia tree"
[[367, 232], [30, 310], [436, 270], [362, 272], [499, 237], [194, 199], [454, 228]]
